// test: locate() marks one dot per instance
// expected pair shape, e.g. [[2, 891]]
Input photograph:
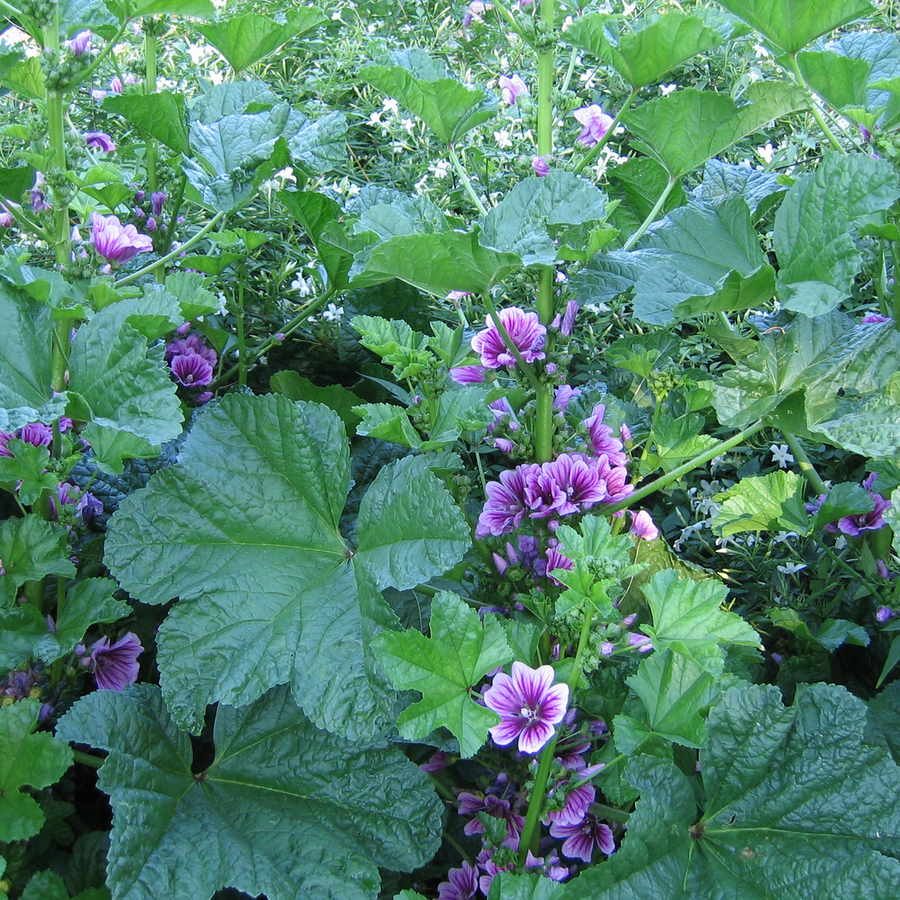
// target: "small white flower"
[[502, 139], [760, 51], [390, 105], [375, 118], [409, 125], [783, 537], [666, 89], [300, 284], [440, 169], [791, 568], [781, 454], [767, 153], [223, 305], [715, 463], [333, 313]]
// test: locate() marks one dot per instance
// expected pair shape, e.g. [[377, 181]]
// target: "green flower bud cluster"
[[42, 11], [62, 70]]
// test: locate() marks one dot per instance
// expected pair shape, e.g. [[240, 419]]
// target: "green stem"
[[853, 573], [533, 380], [239, 321], [56, 136], [100, 57], [803, 463], [815, 110], [591, 155], [205, 230], [569, 71], [11, 11], [88, 759], [895, 295], [511, 21], [464, 178], [152, 149], [543, 425], [682, 470], [531, 833], [651, 216], [267, 345]]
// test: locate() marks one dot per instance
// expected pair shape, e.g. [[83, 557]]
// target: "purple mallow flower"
[[601, 437], [38, 197], [529, 704], [874, 319], [524, 329], [157, 199], [595, 123], [541, 166], [468, 374], [116, 242], [462, 884], [475, 12], [80, 44], [576, 807], [506, 505], [193, 344], [115, 666], [642, 526], [191, 370], [581, 838], [511, 88], [100, 140], [566, 485]]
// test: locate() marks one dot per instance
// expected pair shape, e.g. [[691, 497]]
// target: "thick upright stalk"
[[543, 425], [56, 136], [806, 467], [152, 149]]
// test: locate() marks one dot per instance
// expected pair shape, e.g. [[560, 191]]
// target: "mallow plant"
[[427, 619]]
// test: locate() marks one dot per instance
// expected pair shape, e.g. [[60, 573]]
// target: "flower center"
[[526, 712]]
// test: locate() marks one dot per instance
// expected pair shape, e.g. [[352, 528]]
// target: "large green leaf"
[[37, 760], [790, 25], [160, 115], [795, 805], [687, 128], [701, 258], [688, 617], [439, 263], [446, 106], [444, 668], [244, 40], [270, 812], [315, 212], [25, 361], [813, 233], [840, 80], [409, 528], [537, 212], [644, 55], [120, 382], [230, 98], [675, 691], [245, 531]]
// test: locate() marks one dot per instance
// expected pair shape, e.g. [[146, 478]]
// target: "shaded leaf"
[[36, 760], [267, 814], [159, 115], [30, 548]]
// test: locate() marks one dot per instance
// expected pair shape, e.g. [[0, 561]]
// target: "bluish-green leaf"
[[643, 56], [444, 668], [230, 98], [244, 40], [268, 813], [409, 528], [795, 804], [36, 760], [536, 212], [840, 80], [123, 383]]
